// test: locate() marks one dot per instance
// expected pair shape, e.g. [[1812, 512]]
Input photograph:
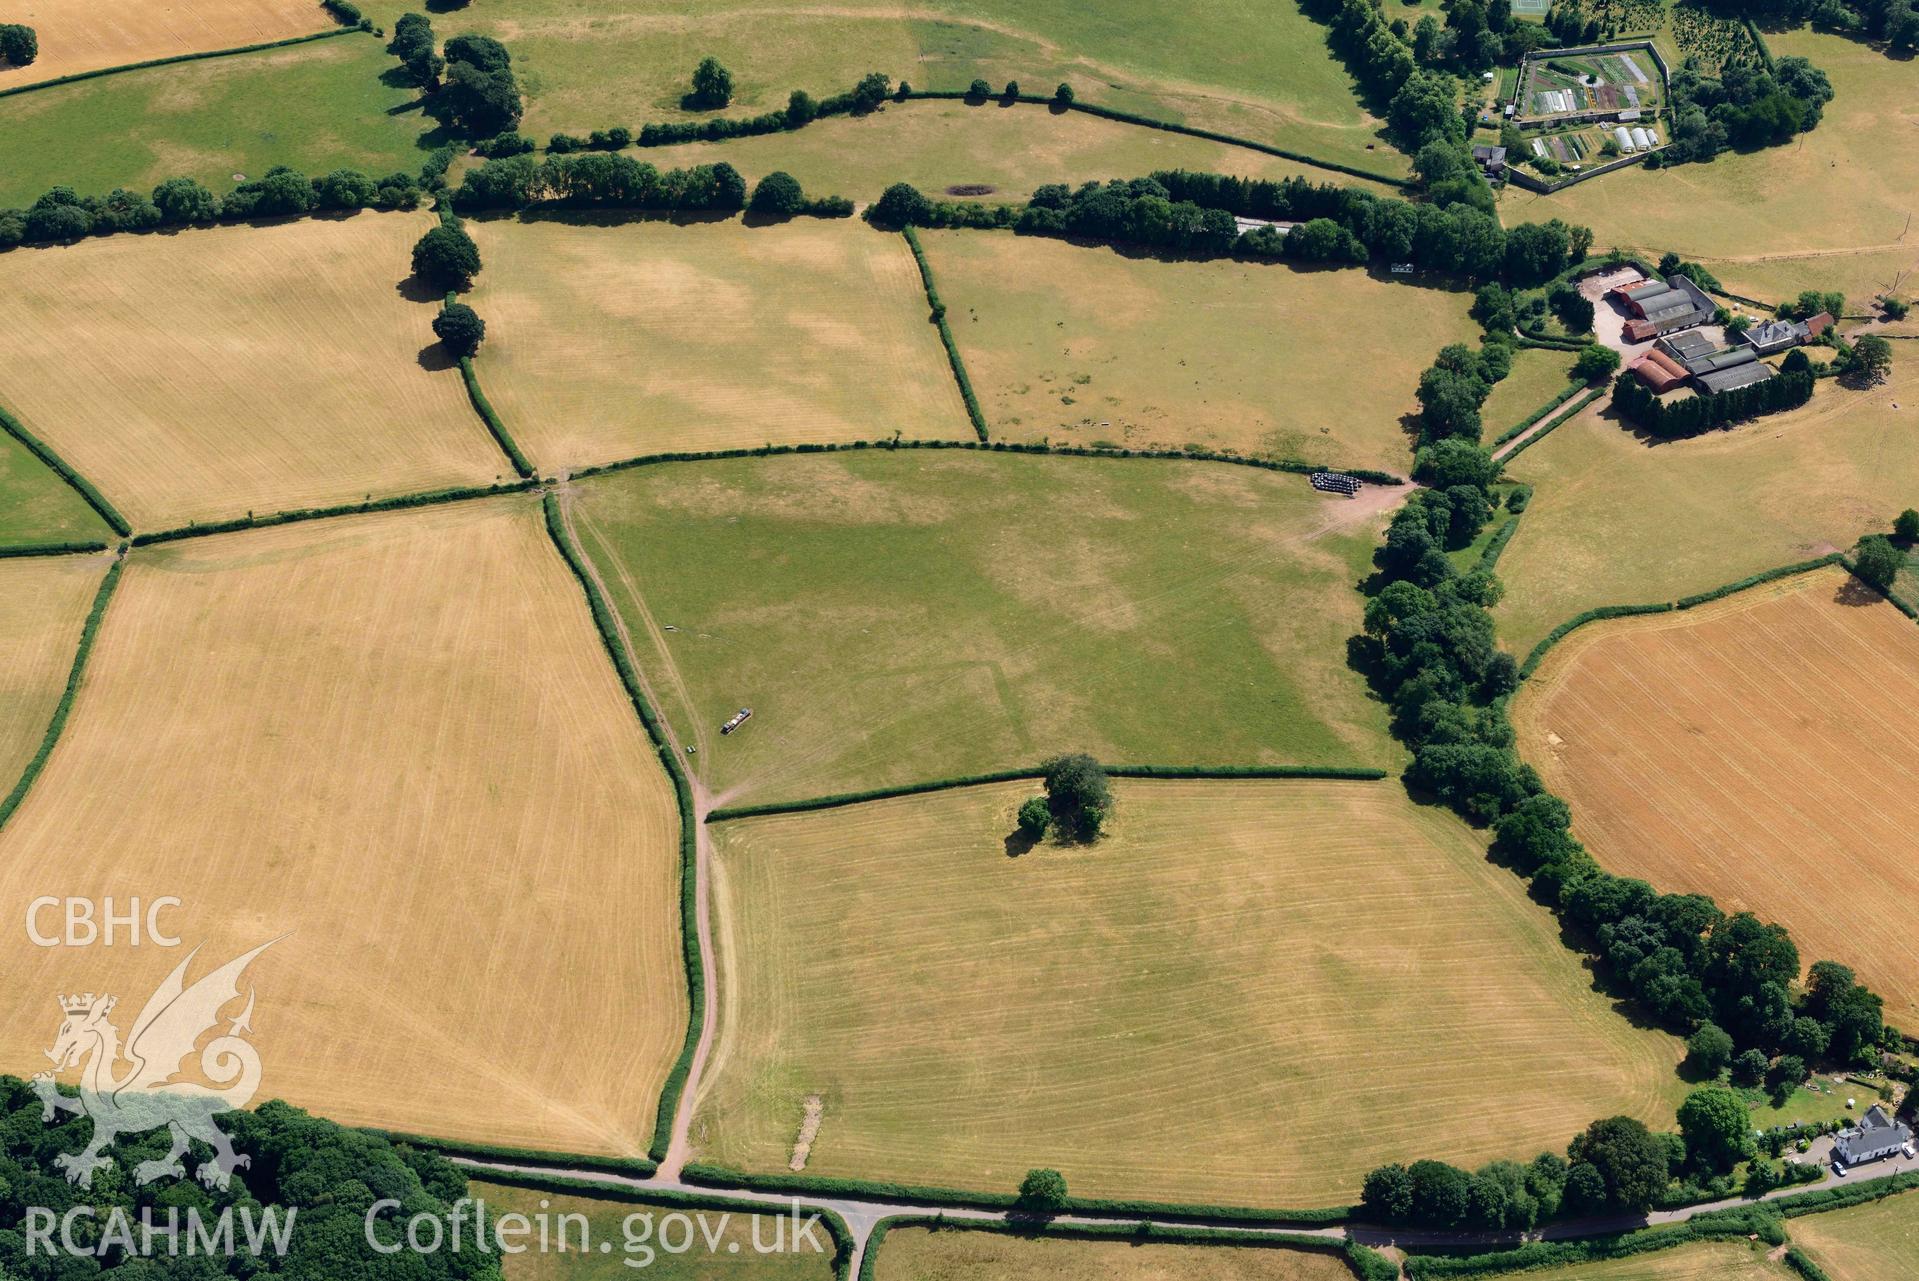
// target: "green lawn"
[[1537, 377], [317, 107], [36, 506], [1252, 68], [896, 617]]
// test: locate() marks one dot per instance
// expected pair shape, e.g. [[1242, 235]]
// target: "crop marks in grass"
[[898, 616], [395, 739], [204, 375], [1194, 1009], [1760, 749], [607, 341]]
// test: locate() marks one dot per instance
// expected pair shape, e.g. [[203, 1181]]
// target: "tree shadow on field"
[[1019, 842], [414, 289], [434, 358], [1854, 592]]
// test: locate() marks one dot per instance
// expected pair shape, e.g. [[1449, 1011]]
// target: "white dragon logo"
[[145, 1097]]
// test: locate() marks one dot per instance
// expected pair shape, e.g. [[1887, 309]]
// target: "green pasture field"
[[1252, 69], [1081, 345], [922, 1254], [317, 107], [1197, 1008], [1866, 1242], [635, 1240], [895, 617], [1615, 520], [1537, 376], [1828, 211], [36, 506], [1707, 1261], [1010, 149]]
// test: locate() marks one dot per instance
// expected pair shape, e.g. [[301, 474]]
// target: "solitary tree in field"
[[446, 257], [1042, 1192], [1877, 561], [1872, 356], [712, 85], [1905, 527], [459, 329], [1078, 795], [18, 44]]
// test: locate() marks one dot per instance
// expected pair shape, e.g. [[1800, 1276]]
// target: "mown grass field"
[[1079, 344], [898, 617], [919, 1254], [1253, 69], [83, 35], [1827, 211], [1865, 1243], [203, 375], [1763, 749], [636, 1241], [36, 506], [1711, 1261], [1616, 521], [395, 744], [609, 341], [43, 603], [317, 107], [941, 145], [1537, 376], [1197, 1009]]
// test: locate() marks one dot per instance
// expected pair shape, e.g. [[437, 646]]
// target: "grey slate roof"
[[1875, 1136], [1688, 344], [1725, 379], [1730, 358]]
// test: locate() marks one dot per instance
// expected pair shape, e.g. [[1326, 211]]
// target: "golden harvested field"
[[203, 375], [1196, 1009], [85, 35], [1828, 210], [43, 603], [939, 145], [604, 342], [1079, 344], [633, 1229], [1763, 749], [1713, 1261], [918, 1254], [1865, 1243], [1616, 521], [395, 744]]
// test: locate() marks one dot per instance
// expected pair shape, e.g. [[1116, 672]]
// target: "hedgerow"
[[88, 632], [604, 620], [1844, 1196], [953, 358], [1796, 1259], [1725, 1225], [430, 498], [484, 408], [51, 549], [634, 1166], [1489, 558], [58, 466], [1553, 426], [1572, 390]]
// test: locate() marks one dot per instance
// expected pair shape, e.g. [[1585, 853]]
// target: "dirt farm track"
[[1764, 750]]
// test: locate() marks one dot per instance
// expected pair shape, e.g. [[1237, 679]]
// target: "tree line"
[[1691, 415], [469, 87]]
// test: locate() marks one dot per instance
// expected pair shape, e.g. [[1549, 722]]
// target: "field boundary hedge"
[[1489, 558], [58, 466], [587, 1188], [701, 1174], [484, 408], [1289, 465], [1572, 389], [1555, 424], [95, 74], [953, 358], [839, 800], [637, 1167], [1579, 620], [1367, 1264], [58, 722], [1714, 1225], [292, 515], [604, 620], [50, 549]]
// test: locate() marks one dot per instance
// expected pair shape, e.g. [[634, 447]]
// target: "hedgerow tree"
[[979, 89], [712, 86], [184, 201], [1905, 526], [1595, 362], [18, 44], [1717, 1129], [413, 45], [1630, 1160], [778, 195], [1064, 94], [446, 257], [1078, 795], [1877, 561], [1042, 1192], [1872, 357], [480, 98], [1034, 818], [900, 205], [459, 329]]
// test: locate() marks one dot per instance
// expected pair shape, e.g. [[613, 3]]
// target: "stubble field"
[[43, 602], [1078, 344], [207, 374], [1763, 749], [1616, 521], [919, 1254], [1195, 1009], [85, 35], [1865, 1243], [893, 617], [610, 341], [394, 744]]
